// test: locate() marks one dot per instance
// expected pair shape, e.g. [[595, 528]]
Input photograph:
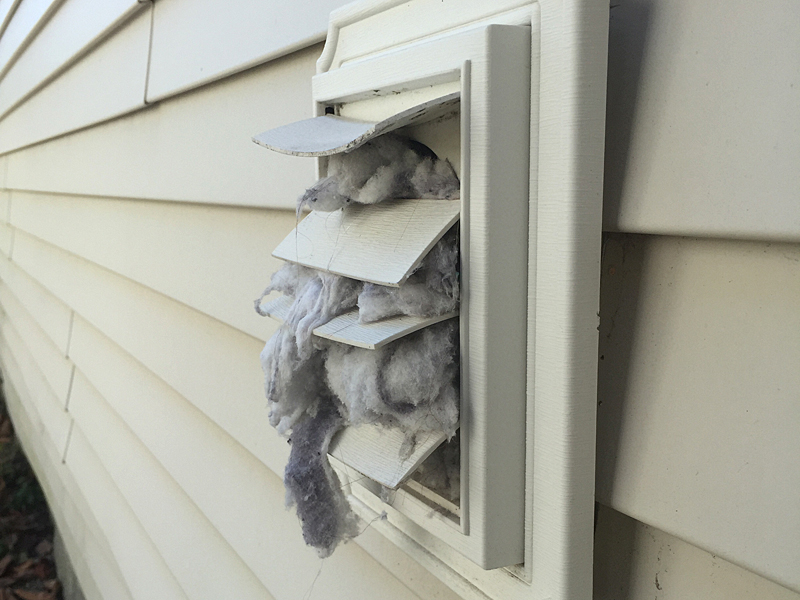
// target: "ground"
[[27, 570]]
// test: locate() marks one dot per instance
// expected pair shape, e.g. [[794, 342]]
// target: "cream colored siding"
[[52, 315], [55, 422], [131, 548], [192, 549], [698, 391], [79, 26], [7, 8], [703, 130], [71, 511], [187, 52], [25, 22], [222, 376], [108, 82], [633, 560], [175, 249], [195, 147], [6, 238], [175, 342], [699, 395], [55, 368]]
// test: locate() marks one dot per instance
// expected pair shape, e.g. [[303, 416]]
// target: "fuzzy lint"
[[314, 386]]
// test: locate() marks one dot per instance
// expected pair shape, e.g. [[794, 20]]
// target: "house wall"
[[136, 224]]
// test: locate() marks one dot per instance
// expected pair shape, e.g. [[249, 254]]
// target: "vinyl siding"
[[193, 148], [80, 25], [187, 53]]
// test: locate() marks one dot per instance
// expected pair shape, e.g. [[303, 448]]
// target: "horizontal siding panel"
[[72, 31], [630, 555], [187, 52], [5, 196], [99, 576], [246, 504], [703, 119], [52, 315], [25, 371], [196, 147], [698, 390], [6, 239], [89, 563], [191, 547], [108, 82], [215, 259], [7, 8], [55, 368], [25, 22], [143, 568], [105, 508], [204, 360]]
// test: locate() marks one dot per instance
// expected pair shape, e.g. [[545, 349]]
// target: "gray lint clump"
[[409, 384], [430, 291], [290, 360], [312, 484], [384, 168], [315, 386]]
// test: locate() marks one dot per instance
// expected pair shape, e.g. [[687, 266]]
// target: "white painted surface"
[[78, 25], [362, 29], [25, 22], [348, 330], [698, 391], [703, 119], [332, 134], [108, 82], [381, 243], [494, 245], [188, 53], [563, 294], [195, 148], [375, 452]]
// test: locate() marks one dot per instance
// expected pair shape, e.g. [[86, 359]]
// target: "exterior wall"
[[698, 383], [634, 560], [136, 226]]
